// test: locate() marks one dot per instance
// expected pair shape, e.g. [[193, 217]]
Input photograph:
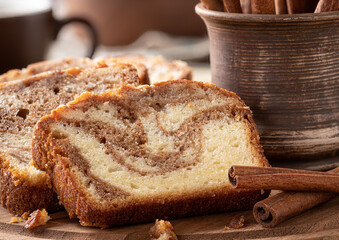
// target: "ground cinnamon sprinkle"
[[37, 218]]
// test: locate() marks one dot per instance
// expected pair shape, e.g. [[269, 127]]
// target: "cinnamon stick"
[[262, 6], [216, 5], [282, 179], [232, 6], [285, 205], [245, 6], [327, 6], [280, 6]]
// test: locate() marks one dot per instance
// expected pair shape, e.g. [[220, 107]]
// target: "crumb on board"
[[14, 220], [236, 223], [162, 230], [18, 219], [25, 215], [37, 218]]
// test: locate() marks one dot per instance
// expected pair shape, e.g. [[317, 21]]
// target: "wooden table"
[[321, 222]]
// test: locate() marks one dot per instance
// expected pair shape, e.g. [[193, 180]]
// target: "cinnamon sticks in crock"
[[301, 6], [216, 5], [272, 6], [278, 208], [232, 6], [262, 6], [246, 6], [266, 178], [280, 6], [327, 6]]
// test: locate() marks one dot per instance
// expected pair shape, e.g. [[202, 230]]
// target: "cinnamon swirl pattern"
[[148, 152], [23, 188]]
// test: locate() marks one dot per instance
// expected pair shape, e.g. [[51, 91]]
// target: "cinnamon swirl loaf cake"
[[159, 69], [52, 65], [23, 188], [159, 151], [150, 69]]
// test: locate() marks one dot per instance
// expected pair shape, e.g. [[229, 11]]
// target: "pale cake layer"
[[148, 145], [24, 102]]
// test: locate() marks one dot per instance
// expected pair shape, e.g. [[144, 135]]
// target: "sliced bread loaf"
[[150, 152], [22, 103]]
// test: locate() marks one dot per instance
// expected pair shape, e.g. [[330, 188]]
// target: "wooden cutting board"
[[318, 223]]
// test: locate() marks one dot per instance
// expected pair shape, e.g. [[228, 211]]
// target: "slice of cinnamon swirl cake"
[[62, 64], [150, 152], [24, 188]]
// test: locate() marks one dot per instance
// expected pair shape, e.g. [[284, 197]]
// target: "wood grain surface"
[[318, 223]]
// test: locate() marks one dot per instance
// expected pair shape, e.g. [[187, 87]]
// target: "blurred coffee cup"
[[27, 29]]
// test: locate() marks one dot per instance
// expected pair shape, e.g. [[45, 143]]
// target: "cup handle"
[[93, 32]]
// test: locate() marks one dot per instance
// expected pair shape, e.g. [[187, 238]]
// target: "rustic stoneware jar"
[[286, 68]]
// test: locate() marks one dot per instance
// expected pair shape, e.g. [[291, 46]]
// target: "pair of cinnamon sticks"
[[310, 189], [272, 6]]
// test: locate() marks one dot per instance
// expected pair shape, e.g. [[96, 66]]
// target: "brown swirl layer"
[[24, 102]]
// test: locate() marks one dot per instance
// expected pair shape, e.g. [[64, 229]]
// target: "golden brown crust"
[[19, 195], [76, 201], [43, 66]]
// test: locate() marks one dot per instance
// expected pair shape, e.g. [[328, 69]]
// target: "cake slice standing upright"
[[150, 152]]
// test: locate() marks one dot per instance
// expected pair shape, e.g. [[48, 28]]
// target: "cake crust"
[[49, 155], [18, 195]]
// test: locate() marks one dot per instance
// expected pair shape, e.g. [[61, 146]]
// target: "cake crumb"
[[162, 230], [25, 215], [236, 223], [17, 219], [37, 218], [14, 220]]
